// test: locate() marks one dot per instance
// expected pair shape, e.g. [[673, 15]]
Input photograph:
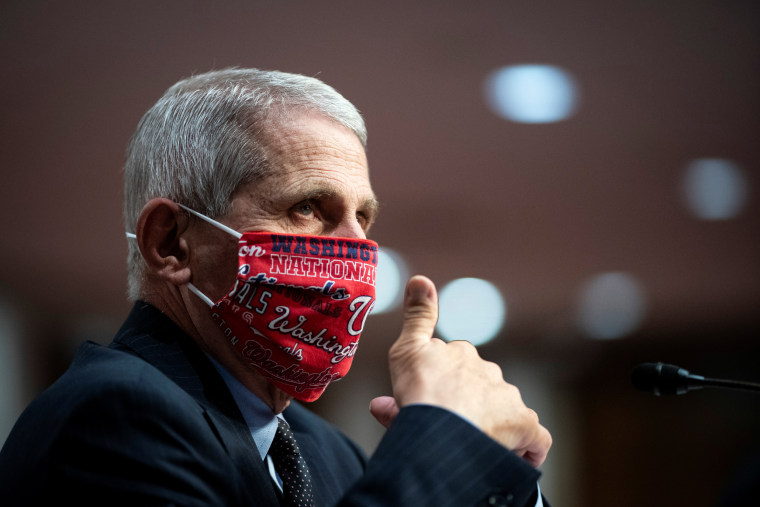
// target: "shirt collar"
[[262, 423]]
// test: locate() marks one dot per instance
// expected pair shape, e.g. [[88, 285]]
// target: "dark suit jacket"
[[148, 421]]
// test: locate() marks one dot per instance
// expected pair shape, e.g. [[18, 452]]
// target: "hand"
[[453, 376]]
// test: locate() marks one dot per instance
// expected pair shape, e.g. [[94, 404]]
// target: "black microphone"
[[661, 378]]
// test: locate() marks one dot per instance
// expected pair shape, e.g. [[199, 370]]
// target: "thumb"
[[384, 409], [420, 312]]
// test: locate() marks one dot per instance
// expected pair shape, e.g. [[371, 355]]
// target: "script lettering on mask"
[[329, 344], [251, 251], [361, 307]]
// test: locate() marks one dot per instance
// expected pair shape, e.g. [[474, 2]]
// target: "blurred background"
[[580, 179]]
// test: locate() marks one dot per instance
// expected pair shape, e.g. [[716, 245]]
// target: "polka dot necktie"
[[296, 479]]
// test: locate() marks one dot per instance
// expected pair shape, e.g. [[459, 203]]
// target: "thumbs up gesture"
[[453, 376]]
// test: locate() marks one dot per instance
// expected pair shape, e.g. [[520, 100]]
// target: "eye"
[[363, 220], [305, 208]]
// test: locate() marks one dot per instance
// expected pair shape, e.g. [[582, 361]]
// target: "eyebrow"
[[372, 205], [306, 192]]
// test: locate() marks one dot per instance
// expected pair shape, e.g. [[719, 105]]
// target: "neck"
[[193, 317]]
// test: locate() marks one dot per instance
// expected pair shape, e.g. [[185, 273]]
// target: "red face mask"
[[298, 306]]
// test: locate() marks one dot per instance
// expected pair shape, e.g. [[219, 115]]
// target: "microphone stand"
[[731, 384], [661, 378]]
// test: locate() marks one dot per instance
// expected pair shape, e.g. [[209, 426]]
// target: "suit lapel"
[[154, 337]]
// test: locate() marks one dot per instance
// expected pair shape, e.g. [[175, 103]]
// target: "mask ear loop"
[[216, 224], [213, 222], [201, 295]]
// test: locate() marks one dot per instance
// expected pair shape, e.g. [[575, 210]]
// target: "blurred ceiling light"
[[611, 305], [714, 188], [470, 309], [390, 281], [531, 93]]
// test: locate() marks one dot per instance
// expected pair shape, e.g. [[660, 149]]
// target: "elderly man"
[[248, 203]]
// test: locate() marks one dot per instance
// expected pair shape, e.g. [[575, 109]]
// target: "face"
[[319, 185]]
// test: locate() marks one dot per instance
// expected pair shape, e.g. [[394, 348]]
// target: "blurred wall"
[[539, 210]]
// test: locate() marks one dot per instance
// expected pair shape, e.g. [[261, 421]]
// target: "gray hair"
[[202, 140]]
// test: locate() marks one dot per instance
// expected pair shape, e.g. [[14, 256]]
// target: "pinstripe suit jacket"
[[148, 421]]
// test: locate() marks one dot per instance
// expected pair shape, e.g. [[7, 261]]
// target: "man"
[[227, 177]]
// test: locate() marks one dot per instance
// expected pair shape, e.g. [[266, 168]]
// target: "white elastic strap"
[[198, 293], [190, 286], [212, 221], [131, 235]]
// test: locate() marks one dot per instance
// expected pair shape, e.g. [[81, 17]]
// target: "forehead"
[[311, 154]]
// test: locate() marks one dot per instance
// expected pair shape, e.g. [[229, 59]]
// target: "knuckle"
[[513, 390], [464, 347], [493, 369], [548, 439], [437, 344]]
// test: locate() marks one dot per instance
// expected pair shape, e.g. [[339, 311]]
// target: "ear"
[[159, 235]]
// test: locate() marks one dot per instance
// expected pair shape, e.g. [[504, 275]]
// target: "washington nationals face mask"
[[298, 306]]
